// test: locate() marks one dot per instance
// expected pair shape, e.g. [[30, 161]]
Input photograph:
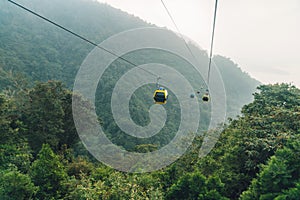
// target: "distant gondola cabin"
[[205, 97]]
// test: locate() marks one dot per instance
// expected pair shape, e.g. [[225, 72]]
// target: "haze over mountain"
[[43, 52]]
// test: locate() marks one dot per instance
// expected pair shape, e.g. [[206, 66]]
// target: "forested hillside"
[[257, 155], [41, 156], [41, 50], [44, 52]]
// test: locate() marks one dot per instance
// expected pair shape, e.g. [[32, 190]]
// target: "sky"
[[261, 36]]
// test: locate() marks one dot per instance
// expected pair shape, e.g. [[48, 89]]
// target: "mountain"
[[41, 51]]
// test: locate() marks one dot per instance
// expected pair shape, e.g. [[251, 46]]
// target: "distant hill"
[[239, 85], [43, 52]]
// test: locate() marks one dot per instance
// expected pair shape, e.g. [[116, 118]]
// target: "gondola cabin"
[[160, 96]]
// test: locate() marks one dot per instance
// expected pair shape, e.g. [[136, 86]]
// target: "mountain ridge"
[[43, 52]]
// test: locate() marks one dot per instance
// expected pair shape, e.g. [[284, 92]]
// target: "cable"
[[173, 21], [81, 37], [212, 42], [212, 38]]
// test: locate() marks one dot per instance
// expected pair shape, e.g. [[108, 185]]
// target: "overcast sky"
[[261, 36]]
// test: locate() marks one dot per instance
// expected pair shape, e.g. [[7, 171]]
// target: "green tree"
[[49, 174], [119, 185], [279, 178], [48, 116], [291, 193], [80, 166], [14, 149], [265, 125], [15, 185], [85, 188], [196, 186]]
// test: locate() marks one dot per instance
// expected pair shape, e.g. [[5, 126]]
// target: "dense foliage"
[[257, 155], [41, 156]]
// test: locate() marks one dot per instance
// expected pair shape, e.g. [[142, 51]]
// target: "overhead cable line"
[[212, 42], [173, 21], [81, 37], [212, 37]]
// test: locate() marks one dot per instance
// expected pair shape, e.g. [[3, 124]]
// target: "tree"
[[85, 188], [15, 185], [265, 125], [291, 193], [49, 174], [14, 148], [279, 178], [196, 186], [80, 166], [48, 116]]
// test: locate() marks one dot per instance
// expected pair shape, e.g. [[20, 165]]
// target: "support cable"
[[212, 37], [212, 42], [173, 21]]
